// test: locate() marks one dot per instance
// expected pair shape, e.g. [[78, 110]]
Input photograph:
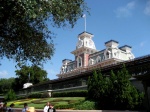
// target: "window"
[[91, 62], [107, 55], [69, 68], [98, 59], [79, 62]]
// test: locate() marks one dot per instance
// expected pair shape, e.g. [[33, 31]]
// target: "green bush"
[[45, 95], [79, 93], [21, 97], [86, 105], [115, 91], [10, 95], [64, 106], [35, 95], [72, 101]]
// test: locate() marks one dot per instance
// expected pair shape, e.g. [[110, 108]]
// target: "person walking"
[[11, 108], [4, 108], [25, 107], [51, 108], [46, 107]]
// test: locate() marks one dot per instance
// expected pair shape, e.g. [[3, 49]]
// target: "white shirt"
[[46, 108], [24, 109]]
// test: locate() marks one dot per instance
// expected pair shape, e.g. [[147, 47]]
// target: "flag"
[[83, 15]]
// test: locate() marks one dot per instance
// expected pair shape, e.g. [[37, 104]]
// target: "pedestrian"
[[51, 108], [4, 108], [1, 104], [11, 108], [46, 107], [25, 108]]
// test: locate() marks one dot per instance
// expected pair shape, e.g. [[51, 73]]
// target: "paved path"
[[41, 110]]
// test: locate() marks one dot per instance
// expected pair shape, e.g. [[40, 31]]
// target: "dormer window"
[[98, 59], [107, 54], [91, 62]]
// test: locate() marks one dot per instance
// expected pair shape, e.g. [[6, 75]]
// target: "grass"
[[39, 103]]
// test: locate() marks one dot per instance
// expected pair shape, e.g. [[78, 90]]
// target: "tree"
[[24, 33], [10, 95], [115, 91], [33, 74], [97, 86], [6, 84], [124, 94]]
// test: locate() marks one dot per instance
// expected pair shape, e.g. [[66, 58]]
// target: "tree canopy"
[[24, 33], [6, 84], [33, 74], [114, 91]]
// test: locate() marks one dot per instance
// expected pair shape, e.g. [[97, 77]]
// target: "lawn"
[[39, 103]]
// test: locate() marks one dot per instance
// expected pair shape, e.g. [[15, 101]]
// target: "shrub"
[[21, 97], [64, 106], [79, 93], [86, 105], [115, 91], [10, 95], [45, 95], [35, 95]]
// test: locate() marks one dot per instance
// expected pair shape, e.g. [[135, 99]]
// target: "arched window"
[[98, 59], [107, 54], [91, 62], [79, 62], [63, 69], [69, 68]]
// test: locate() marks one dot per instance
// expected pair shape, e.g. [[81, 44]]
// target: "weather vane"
[[84, 16]]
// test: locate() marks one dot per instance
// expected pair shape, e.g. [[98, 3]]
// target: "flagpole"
[[84, 16], [85, 22]]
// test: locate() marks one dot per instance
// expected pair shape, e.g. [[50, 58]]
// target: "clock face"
[[80, 43]]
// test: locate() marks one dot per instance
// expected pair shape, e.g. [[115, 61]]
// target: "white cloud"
[[3, 74], [126, 10], [142, 43], [130, 5], [147, 8]]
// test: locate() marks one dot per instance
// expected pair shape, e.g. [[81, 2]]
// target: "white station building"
[[87, 56]]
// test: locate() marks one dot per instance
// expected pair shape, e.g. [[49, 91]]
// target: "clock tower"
[[85, 46]]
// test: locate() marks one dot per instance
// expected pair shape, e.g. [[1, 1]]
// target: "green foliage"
[[98, 85], [33, 74], [79, 93], [45, 95], [115, 91], [6, 84], [24, 33], [21, 97], [86, 105], [35, 95], [10, 95], [38, 95], [59, 103]]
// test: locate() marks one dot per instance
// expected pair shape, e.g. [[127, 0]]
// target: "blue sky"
[[126, 21]]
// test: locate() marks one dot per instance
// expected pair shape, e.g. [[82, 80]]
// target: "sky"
[[126, 21]]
